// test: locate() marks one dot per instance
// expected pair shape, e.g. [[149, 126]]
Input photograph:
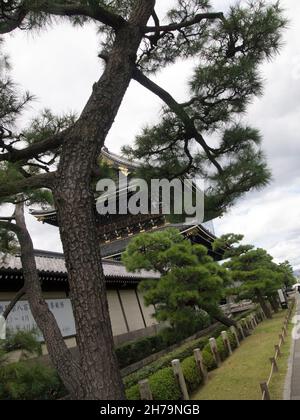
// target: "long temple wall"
[[130, 318]]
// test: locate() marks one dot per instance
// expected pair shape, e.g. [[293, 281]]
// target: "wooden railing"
[[264, 386]]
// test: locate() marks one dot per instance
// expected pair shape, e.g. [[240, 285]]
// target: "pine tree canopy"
[[205, 136], [190, 279], [253, 270]]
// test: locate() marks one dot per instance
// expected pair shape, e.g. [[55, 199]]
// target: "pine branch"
[[96, 12], [9, 226], [177, 26], [190, 128], [13, 21], [36, 181], [36, 149]]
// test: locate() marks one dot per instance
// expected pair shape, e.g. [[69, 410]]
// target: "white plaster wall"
[[116, 314], [148, 311], [132, 310]]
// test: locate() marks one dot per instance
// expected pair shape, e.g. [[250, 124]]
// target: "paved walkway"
[[293, 380]]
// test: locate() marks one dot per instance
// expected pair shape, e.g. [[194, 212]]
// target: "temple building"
[[115, 232], [130, 318]]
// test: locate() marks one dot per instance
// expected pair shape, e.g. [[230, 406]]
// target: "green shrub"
[[22, 340], [180, 353], [133, 393], [208, 358], [164, 385], [232, 340], [191, 373], [24, 381], [223, 352], [135, 351]]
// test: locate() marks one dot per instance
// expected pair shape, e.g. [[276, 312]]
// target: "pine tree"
[[287, 273], [254, 272], [190, 280], [228, 49]]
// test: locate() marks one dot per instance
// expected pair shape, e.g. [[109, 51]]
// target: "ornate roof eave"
[[119, 161]]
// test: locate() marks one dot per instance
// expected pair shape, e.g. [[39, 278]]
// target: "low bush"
[[161, 378], [223, 351], [164, 385], [232, 340], [191, 373], [133, 393], [22, 340], [180, 353], [135, 351], [208, 358], [24, 381]]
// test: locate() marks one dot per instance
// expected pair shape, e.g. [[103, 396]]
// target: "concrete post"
[[250, 322], [254, 320], [234, 332], [245, 324], [226, 342], [201, 366], [145, 391], [263, 314], [215, 352], [180, 378], [241, 330]]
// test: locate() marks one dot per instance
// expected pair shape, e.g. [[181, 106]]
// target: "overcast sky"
[[60, 66]]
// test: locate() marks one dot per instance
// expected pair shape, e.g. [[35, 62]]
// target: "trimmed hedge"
[[191, 373], [163, 386], [223, 352], [163, 383], [137, 350], [181, 353]]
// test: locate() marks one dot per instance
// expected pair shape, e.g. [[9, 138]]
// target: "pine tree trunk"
[[274, 303], [263, 304], [61, 357], [76, 213], [225, 320]]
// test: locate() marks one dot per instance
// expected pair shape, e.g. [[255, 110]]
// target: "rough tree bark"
[[76, 212], [68, 369], [263, 304], [225, 320], [13, 302], [274, 303]]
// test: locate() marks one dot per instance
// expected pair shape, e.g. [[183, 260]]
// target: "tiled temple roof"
[[54, 264]]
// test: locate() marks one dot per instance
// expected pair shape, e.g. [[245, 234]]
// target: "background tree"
[[190, 281], [132, 48], [287, 273], [254, 272]]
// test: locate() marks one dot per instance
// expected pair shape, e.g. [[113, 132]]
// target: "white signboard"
[[2, 328], [281, 296], [21, 317]]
